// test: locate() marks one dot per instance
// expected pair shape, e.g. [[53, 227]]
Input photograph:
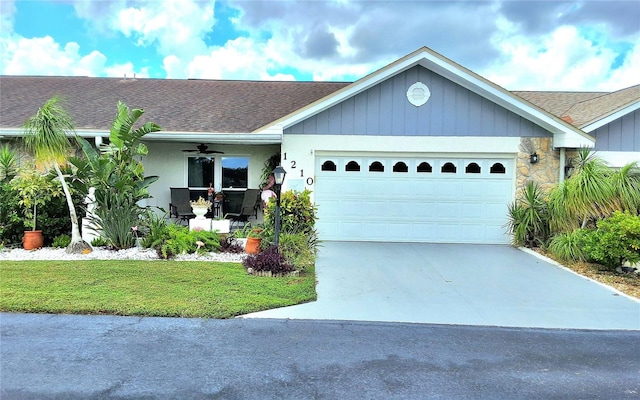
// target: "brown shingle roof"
[[231, 106], [583, 108], [589, 111], [176, 105]]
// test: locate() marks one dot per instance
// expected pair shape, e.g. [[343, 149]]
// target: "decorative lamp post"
[[278, 175]]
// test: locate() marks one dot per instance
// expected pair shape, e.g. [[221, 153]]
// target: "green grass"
[[146, 288]]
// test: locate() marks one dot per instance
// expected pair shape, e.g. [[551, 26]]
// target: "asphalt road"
[[106, 357]]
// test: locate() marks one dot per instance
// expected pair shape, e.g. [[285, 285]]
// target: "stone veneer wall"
[[545, 171]]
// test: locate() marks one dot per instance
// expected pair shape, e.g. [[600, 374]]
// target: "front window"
[[235, 172], [201, 171]]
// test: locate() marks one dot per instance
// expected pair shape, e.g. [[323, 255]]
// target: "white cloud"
[[43, 56], [178, 27], [7, 12], [562, 60]]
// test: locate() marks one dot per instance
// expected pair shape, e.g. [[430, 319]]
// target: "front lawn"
[[146, 288]]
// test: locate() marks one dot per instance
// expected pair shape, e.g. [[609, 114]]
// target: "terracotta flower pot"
[[253, 245], [32, 240]]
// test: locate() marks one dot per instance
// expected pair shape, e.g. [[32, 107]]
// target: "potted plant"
[[200, 207], [35, 190], [240, 236], [254, 240]]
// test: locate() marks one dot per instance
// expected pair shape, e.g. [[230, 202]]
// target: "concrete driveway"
[[457, 284]]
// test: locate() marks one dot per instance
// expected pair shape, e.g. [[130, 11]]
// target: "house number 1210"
[[293, 166]]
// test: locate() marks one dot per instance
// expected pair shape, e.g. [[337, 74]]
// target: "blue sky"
[[521, 45]]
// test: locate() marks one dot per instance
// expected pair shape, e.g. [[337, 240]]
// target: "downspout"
[[563, 162]]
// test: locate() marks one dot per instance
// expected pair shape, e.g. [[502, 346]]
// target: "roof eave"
[[175, 136]]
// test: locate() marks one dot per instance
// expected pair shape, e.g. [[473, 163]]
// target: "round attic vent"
[[418, 94]]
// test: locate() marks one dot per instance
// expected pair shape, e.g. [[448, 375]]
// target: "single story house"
[[421, 150]]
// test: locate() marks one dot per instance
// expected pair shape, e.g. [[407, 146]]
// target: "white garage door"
[[435, 200]]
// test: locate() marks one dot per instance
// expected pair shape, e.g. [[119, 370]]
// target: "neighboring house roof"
[[557, 103], [584, 109], [565, 134], [211, 106]]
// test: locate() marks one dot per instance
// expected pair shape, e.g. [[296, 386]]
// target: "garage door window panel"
[[400, 167], [448, 168], [424, 167], [329, 166], [498, 168], [352, 166], [472, 168], [376, 166]]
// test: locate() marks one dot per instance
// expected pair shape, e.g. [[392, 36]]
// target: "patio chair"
[[179, 207], [250, 202]]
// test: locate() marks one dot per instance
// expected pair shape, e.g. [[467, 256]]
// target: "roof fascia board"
[[448, 69], [170, 136], [611, 117]]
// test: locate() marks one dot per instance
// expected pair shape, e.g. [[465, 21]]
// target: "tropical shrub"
[[297, 213], [529, 218], [153, 228], [34, 190], [297, 227], [116, 217], [593, 192], [296, 249], [176, 240], [99, 242], [616, 240], [61, 241], [118, 176], [569, 246], [11, 215], [270, 260]]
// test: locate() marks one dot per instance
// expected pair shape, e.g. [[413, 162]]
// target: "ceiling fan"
[[202, 149]]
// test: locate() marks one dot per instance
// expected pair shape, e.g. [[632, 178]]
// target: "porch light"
[[533, 158], [278, 175]]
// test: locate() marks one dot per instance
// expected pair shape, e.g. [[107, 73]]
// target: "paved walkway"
[[457, 284]]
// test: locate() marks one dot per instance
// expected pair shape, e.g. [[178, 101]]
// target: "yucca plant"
[[529, 218], [569, 246]]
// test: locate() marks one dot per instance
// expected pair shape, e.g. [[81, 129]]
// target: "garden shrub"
[[11, 216], [230, 245], [268, 260], [529, 218], [616, 240], [569, 246], [298, 236], [61, 241], [177, 240], [296, 250]]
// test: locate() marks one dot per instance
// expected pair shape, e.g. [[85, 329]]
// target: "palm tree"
[[593, 192], [46, 138]]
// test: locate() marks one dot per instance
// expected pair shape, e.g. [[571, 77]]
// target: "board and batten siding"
[[451, 110], [623, 134]]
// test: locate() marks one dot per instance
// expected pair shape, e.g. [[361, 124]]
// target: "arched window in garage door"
[[448, 168], [497, 168], [424, 167], [328, 166], [376, 166], [352, 166], [472, 168], [400, 167]]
